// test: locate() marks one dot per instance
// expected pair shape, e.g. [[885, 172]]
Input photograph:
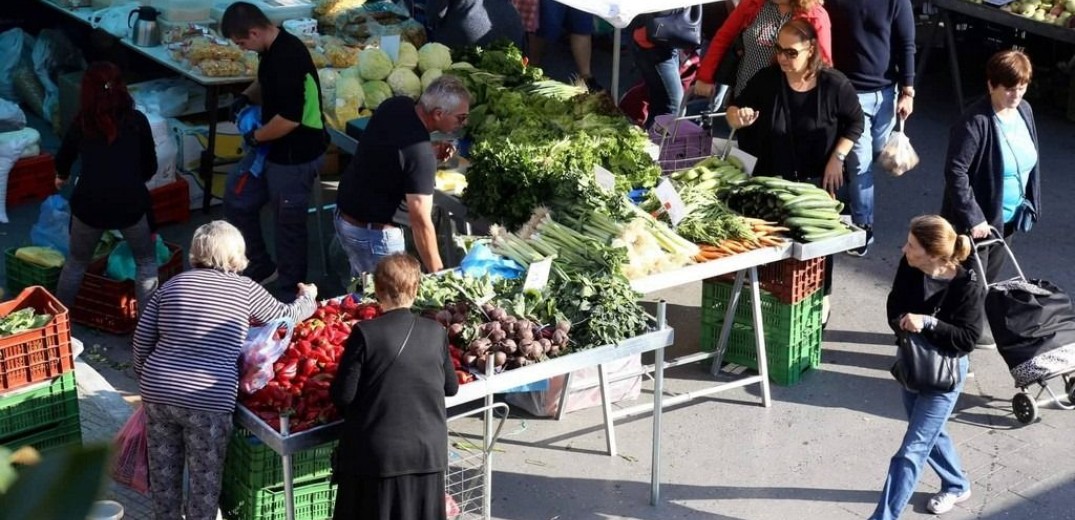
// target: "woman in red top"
[[758, 21]]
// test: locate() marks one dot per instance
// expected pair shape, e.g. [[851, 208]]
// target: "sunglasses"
[[789, 52]]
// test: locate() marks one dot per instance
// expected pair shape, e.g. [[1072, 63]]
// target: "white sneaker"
[[942, 503]]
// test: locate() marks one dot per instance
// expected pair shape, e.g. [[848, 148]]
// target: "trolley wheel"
[[1069, 388], [1025, 408]]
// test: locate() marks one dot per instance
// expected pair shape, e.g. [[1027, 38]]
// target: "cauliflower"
[[376, 91], [404, 82], [434, 56], [374, 64], [428, 77], [349, 99], [408, 56]]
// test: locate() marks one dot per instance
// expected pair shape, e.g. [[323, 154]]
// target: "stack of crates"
[[791, 317], [22, 274], [254, 481], [111, 305], [38, 394]]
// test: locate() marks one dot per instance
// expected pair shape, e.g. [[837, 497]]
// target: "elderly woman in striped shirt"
[[186, 353]]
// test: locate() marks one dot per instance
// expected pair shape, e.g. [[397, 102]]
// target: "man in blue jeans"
[[874, 46], [292, 126]]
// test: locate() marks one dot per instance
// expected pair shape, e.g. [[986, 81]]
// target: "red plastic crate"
[[31, 179], [39, 354], [171, 203], [111, 305], [791, 280]]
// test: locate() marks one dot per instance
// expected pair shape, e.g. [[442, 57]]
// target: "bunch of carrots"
[[764, 234]]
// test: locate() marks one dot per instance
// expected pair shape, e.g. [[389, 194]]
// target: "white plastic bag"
[[114, 20], [898, 156], [166, 151], [10, 151], [260, 350], [11, 116]]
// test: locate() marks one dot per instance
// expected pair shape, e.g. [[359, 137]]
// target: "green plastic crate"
[[22, 274], [252, 464], [786, 362], [313, 501], [38, 406], [784, 323], [48, 438]]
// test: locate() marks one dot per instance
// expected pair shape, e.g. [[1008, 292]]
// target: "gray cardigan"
[[974, 169]]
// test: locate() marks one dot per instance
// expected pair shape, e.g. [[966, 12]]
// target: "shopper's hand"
[[250, 141], [704, 89], [241, 102], [980, 231], [912, 322], [834, 176], [905, 106], [60, 183], [444, 150], [309, 290], [739, 117]]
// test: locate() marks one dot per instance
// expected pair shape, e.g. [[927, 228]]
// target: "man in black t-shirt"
[[395, 162], [292, 127]]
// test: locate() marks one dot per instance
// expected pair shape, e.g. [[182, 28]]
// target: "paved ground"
[[820, 452]]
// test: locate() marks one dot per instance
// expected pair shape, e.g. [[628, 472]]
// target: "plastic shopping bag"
[[262, 347], [898, 156], [131, 465], [53, 226]]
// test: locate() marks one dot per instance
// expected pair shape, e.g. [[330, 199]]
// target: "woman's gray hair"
[[218, 245], [446, 93]]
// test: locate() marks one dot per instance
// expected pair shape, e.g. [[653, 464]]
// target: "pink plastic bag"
[[131, 465], [260, 350], [451, 506]]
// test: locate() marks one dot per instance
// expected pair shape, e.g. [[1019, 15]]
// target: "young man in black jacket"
[[292, 126]]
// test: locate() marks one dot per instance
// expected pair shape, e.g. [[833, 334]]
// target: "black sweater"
[[873, 42], [974, 169], [111, 190], [397, 426], [460, 23], [785, 144], [959, 319]]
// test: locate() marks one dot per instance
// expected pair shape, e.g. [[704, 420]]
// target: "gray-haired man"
[[396, 163]]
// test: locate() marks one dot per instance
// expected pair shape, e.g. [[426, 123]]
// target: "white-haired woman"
[[186, 353]]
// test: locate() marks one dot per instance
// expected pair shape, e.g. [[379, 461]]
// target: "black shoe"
[[861, 251]]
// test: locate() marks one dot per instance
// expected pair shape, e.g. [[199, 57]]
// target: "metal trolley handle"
[[502, 418], [994, 238]]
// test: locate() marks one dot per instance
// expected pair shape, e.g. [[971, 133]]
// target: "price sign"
[[670, 201], [390, 45], [537, 276], [605, 179]]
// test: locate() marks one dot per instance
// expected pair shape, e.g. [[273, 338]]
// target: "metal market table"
[[213, 86], [983, 12], [484, 389]]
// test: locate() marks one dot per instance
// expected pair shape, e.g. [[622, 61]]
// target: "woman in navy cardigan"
[[992, 162]]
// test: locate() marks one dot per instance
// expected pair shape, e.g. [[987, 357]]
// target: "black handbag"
[[678, 28], [922, 367], [1025, 216]]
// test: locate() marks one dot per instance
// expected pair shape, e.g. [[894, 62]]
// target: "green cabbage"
[[404, 82], [374, 64], [376, 92], [434, 56], [408, 56], [428, 77]]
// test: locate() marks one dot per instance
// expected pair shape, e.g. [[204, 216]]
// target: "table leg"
[[606, 405], [726, 328], [565, 391], [289, 486], [953, 57], [759, 337], [617, 41], [658, 404], [205, 167]]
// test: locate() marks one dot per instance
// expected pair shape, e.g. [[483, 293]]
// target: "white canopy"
[[619, 13]]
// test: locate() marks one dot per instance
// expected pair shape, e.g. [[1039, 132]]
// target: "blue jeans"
[[365, 247], [84, 241], [287, 188], [879, 109], [925, 441], [659, 67]]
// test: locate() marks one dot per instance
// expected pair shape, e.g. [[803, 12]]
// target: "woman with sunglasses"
[[799, 117], [757, 22]]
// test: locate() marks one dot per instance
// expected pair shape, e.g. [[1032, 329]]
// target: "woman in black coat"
[[390, 388]]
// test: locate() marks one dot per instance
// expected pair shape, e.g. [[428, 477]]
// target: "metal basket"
[[468, 480]]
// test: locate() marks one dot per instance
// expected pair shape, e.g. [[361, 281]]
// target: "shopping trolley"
[[1052, 340], [684, 140], [468, 481]]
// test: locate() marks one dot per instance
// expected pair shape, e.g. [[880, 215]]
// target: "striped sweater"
[[187, 343]]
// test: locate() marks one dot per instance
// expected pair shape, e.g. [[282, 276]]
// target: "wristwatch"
[[907, 91], [840, 156]]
